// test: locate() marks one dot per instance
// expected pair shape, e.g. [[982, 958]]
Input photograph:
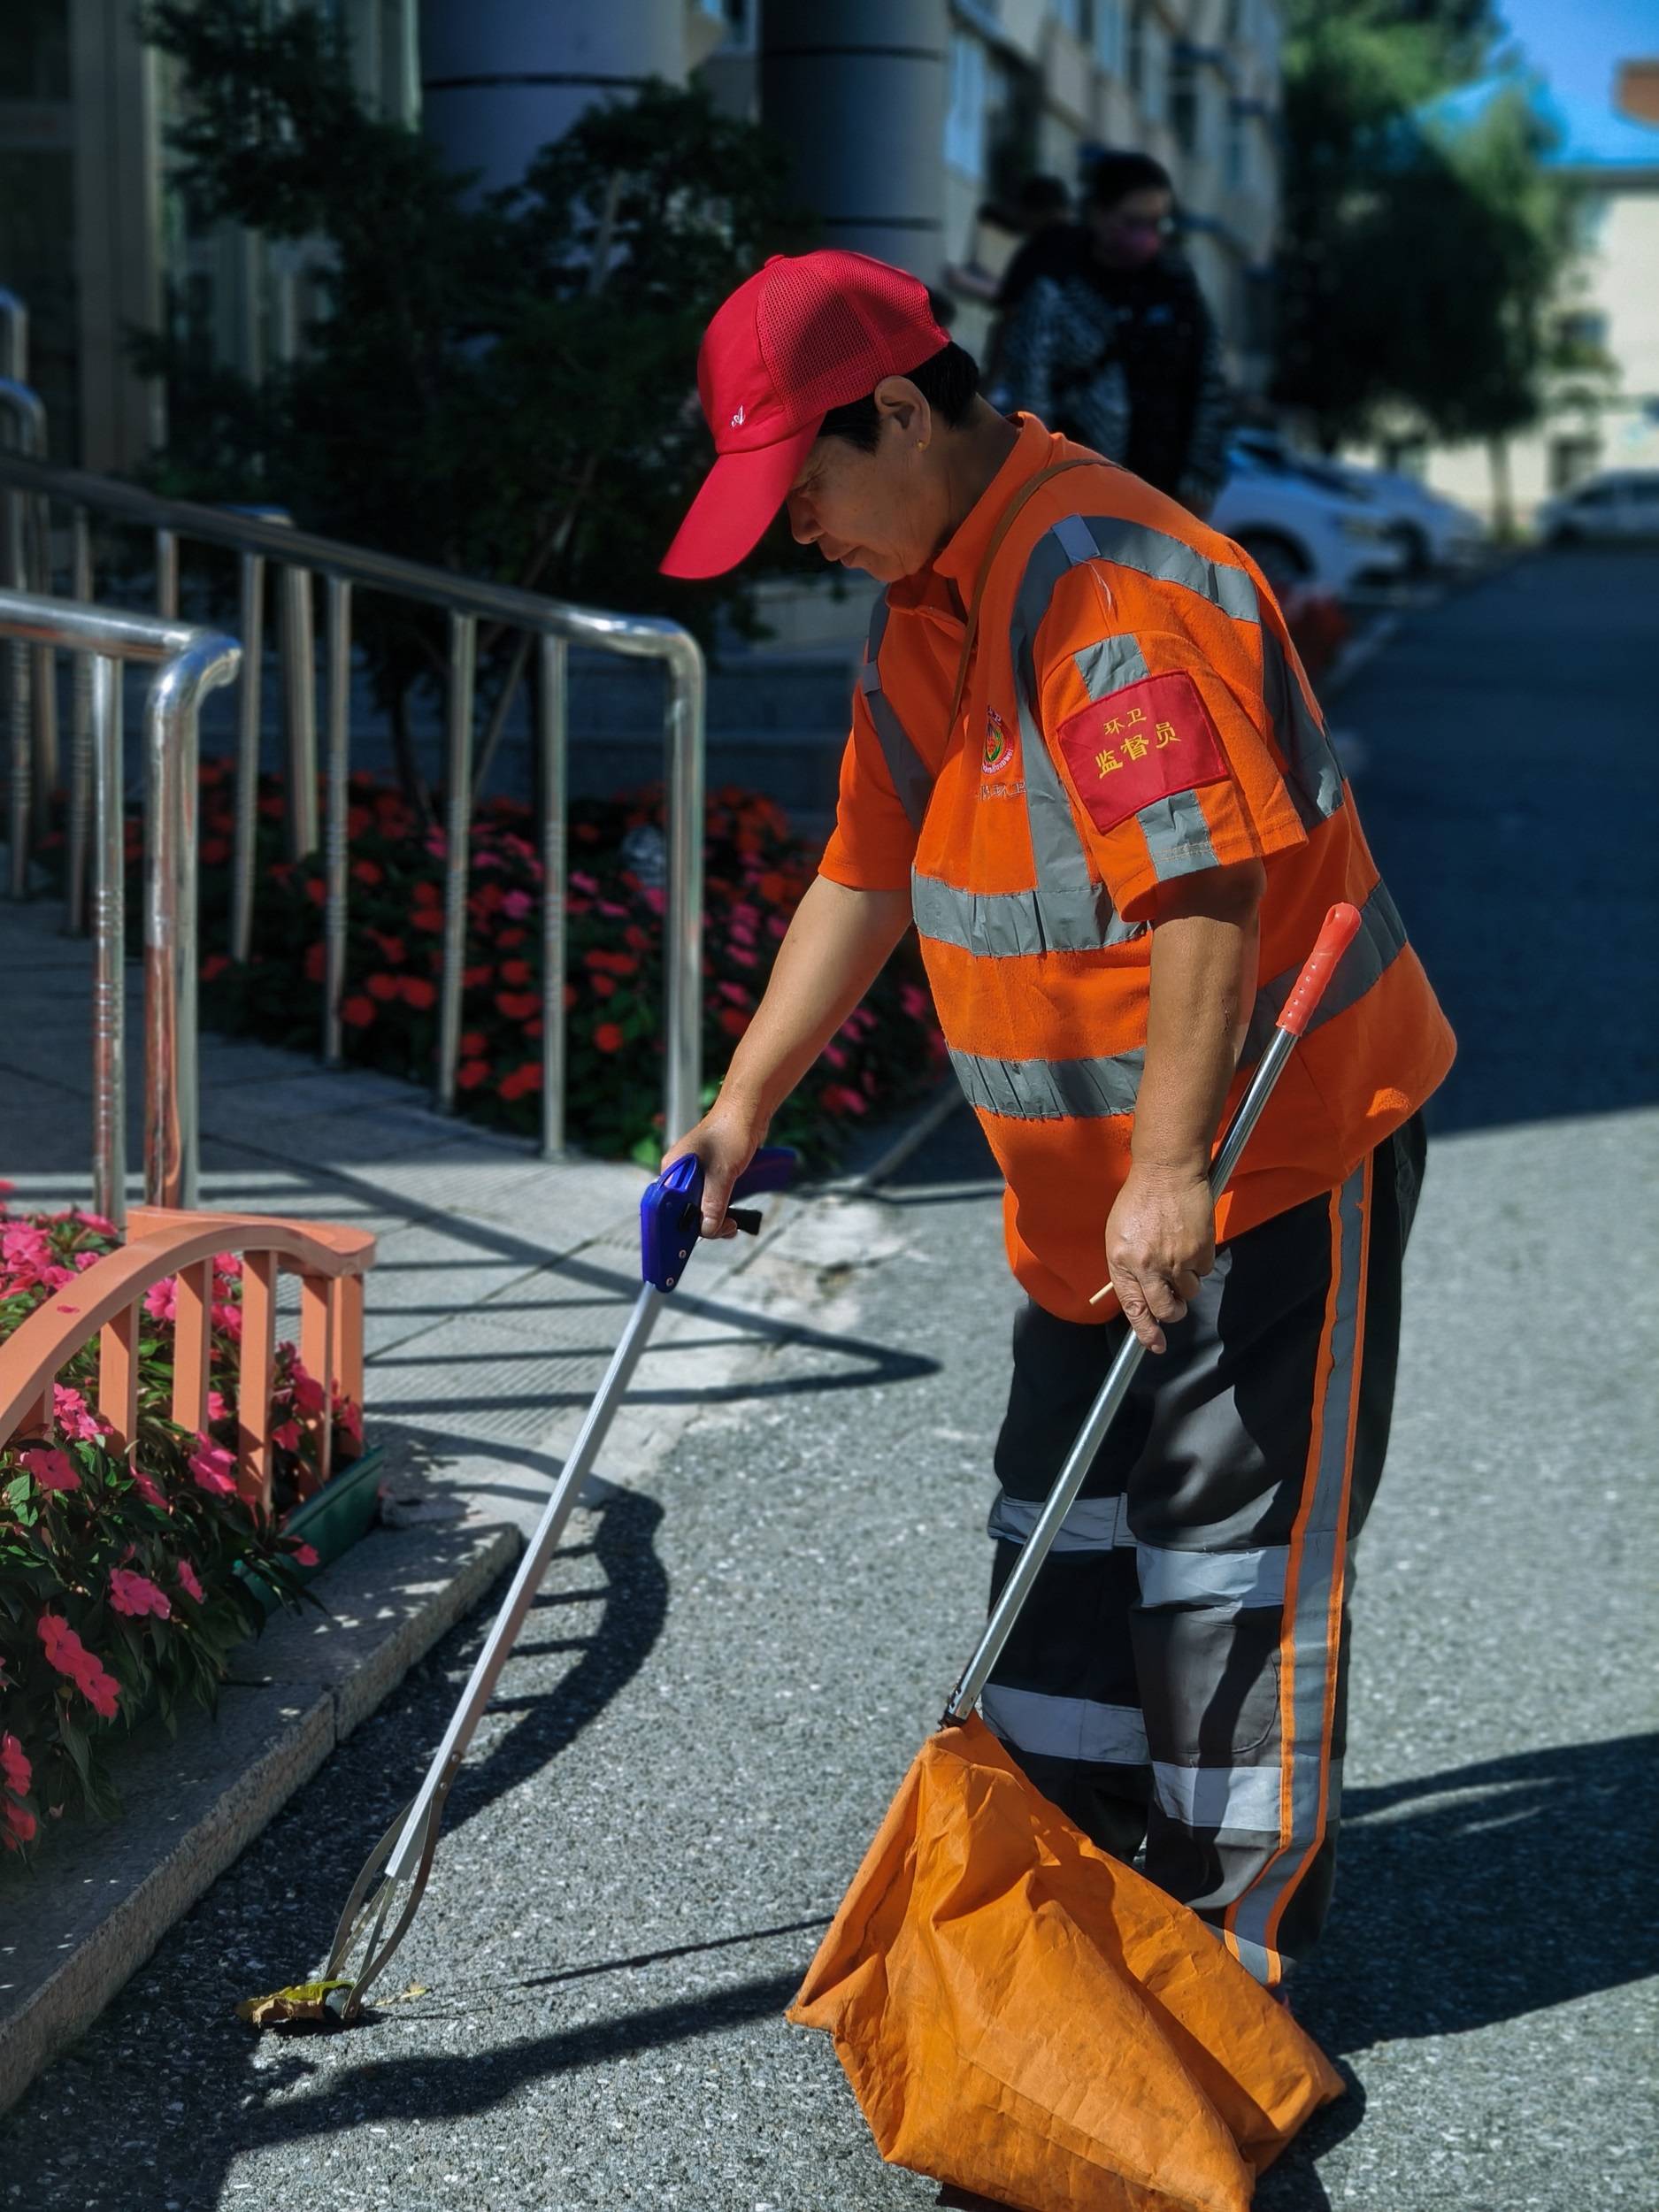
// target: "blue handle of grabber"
[[671, 1208]]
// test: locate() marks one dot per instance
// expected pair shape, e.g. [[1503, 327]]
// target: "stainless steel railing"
[[300, 555], [190, 663]]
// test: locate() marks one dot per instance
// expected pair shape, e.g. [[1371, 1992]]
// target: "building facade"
[[911, 124]]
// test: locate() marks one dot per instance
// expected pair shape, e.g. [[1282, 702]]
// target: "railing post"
[[247, 719], [683, 921], [299, 707], [316, 1357], [257, 1374], [335, 844], [109, 983], [172, 1103], [29, 416], [553, 723], [457, 820], [167, 575], [80, 738]]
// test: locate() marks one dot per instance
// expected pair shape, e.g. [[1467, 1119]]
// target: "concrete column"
[[500, 77], [856, 93], [117, 231]]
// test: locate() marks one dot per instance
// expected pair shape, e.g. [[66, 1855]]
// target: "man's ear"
[[897, 401]]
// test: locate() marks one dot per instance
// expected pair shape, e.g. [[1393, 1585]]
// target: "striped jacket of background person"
[[1134, 712]]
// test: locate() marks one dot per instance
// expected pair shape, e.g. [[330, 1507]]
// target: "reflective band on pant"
[[1093, 1524], [1381, 940], [1242, 1798], [1064, 1727], [1050, 1090], [1008, 925], [910, 777], [1310, 1646], [1225, 1580]]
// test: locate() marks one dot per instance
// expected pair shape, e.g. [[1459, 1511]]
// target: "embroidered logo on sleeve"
[[1147, 742]]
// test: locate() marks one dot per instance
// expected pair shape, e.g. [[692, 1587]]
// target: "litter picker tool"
[[387, 1891], [1021, 2016]]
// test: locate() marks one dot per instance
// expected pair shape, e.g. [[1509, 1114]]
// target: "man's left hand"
[[1160, 1243]]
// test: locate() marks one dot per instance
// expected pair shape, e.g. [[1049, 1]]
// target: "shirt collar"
[[958, 559]]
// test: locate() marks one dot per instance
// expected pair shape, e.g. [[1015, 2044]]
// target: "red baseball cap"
[[801, 336]]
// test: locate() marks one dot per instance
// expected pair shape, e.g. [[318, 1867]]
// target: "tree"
[[501, 384], [1424, 239]]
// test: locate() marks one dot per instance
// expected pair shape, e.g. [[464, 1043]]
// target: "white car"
[[1432, 531], [1621, 503], [1298, 531]]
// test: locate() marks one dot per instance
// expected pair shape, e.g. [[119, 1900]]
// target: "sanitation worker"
[[1085, 763]]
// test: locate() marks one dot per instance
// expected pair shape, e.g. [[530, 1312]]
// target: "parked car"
[[1432, 531], [1618, 503], [1298, 531]]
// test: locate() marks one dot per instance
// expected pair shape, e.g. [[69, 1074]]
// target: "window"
[[1153, 89], [1069, 15], [1572, 457], [1183, 96], [964, 118], [1013, 111], [1109, 36]]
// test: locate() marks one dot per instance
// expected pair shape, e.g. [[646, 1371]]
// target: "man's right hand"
[[725, 1140]]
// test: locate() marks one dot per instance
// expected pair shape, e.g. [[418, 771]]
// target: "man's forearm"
[[1202, 983], [838, 943]]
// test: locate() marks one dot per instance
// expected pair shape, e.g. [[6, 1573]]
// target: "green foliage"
[[1422, 248], [500, 384]]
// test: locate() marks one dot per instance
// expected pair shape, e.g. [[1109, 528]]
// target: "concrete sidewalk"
[[500, 1289]]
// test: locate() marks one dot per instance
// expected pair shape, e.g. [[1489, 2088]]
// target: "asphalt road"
[[729, 1671]]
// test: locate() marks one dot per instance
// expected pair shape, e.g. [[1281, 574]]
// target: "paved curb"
[[78, 1925]]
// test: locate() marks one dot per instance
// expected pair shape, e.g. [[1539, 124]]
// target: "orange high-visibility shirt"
[[1134, 712]]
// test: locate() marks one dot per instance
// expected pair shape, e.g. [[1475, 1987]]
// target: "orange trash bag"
[[1019, 2014]]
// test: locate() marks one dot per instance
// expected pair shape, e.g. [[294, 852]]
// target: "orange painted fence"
[[107, 1301]]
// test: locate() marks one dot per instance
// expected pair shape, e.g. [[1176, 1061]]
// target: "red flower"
[[509, 938], [216, 963], [473, 1042], [305, 1556], [308, 1392], [187, 1579], [609, 1037], [136, 1595], [772, 887], [391, 947], [514, 971], [69, 1656], [418, 992], [214, 851], [524, 1078], [316, 961], [603, 985], [21, 1826], [426, 918], [384, 987], [316, 890], [471, 1073], [51, 1469], [287, 1436], [357, 1012], [517, 1006], [733, 1020], [14, 1765], [366, 871]]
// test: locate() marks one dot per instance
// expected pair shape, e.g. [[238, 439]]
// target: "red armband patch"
[[1147, 742]]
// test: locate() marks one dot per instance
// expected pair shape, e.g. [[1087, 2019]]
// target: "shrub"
[[756, 872], [122, 1574]]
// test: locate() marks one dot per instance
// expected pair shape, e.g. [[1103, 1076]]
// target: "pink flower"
[[287, 1436], [161, 1299], [97, 1222], [23, 1245], [136, 1595], [228, 1321], [836, 1057], [308, 1392], [14, 1765], [349, 1415], [53, 1469], [69, 1656], [73, 1416], [305, 1555], [228, 1265], [187, 1579], [586, 884], [84, 1260], [147, 1488], [214, 1469], [913, 1001], [20, 1823], [516, 904], [216, 1408]]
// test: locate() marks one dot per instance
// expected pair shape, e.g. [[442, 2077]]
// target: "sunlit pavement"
[[729, 1671]]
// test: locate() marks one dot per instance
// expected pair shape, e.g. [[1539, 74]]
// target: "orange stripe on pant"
[[1310, 1636]]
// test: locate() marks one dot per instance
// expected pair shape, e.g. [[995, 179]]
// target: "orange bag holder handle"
[[1341, 927]]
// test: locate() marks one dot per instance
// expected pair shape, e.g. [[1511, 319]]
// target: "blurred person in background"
[[1107, 338]]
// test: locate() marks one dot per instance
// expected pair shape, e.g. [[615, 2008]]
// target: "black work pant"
[[1176, 1680]]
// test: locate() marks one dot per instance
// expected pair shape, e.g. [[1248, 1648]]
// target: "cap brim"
[[740, 495]]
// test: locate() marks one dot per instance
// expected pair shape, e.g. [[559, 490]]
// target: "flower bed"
[[756, 871], [125, 1577]]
